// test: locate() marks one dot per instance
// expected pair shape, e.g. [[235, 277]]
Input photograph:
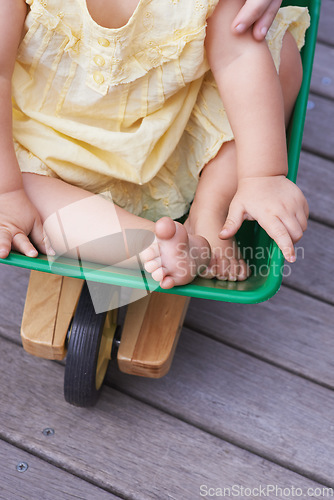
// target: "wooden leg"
[[50, 304], [150, 334]]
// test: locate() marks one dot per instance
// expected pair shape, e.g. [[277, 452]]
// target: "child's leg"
[[218, 184], [80, 224], [216, 188], [290, 74], [86, 226]]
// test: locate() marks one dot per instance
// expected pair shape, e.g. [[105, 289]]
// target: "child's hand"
[[276, 203], [18, 219], [259, 13]]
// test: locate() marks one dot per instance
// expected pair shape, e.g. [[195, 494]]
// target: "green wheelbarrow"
[[60, 318]]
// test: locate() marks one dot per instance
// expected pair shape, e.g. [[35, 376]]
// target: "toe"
[[159, 274], [165, 228], [152, 265], [210, 271], [243, 270], [206, 272], [223, 269], [150, 253], [234, 270], [167, 283]]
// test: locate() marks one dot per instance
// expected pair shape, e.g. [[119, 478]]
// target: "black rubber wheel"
[[91, 340]]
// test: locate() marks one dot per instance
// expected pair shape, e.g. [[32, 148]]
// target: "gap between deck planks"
[[124, 445]]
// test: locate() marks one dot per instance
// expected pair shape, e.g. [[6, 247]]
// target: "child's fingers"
[[293, 227], [233, 222], [263, 24], [302, 219], [40, 239], [22, 244], [5, 242], [306, 208], [279, 233], [248, 14]]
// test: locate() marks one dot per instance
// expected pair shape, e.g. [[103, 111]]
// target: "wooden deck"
[[249, 400]]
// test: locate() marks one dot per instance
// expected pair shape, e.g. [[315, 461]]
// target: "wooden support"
[[150, 334], [50, 304]]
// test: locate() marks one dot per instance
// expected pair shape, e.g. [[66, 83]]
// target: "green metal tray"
[[265, 258]]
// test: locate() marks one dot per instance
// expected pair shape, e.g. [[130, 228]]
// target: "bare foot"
[[226, 261], [215, 190], [176, 257]]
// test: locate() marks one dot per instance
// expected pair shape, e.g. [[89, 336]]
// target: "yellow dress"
[[132, 113]]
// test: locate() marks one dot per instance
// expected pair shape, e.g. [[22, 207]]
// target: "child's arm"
[[257, 13], [18, 216], [251, 92]]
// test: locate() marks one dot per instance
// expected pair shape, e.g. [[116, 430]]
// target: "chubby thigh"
[[85, 226]]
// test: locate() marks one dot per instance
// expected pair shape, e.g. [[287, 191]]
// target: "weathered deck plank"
[[41, 480], [123, 445], [312, 272], [319, 126], [13, 283], [326, 33], [322, 81], [315, 178], [300, 339], [242, 399]]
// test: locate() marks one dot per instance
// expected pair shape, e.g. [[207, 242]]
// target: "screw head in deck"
[[310, 105], [326, 80], [22, 467], [48, 431]]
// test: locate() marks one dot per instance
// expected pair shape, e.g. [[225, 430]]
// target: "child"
[[115, 98]]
